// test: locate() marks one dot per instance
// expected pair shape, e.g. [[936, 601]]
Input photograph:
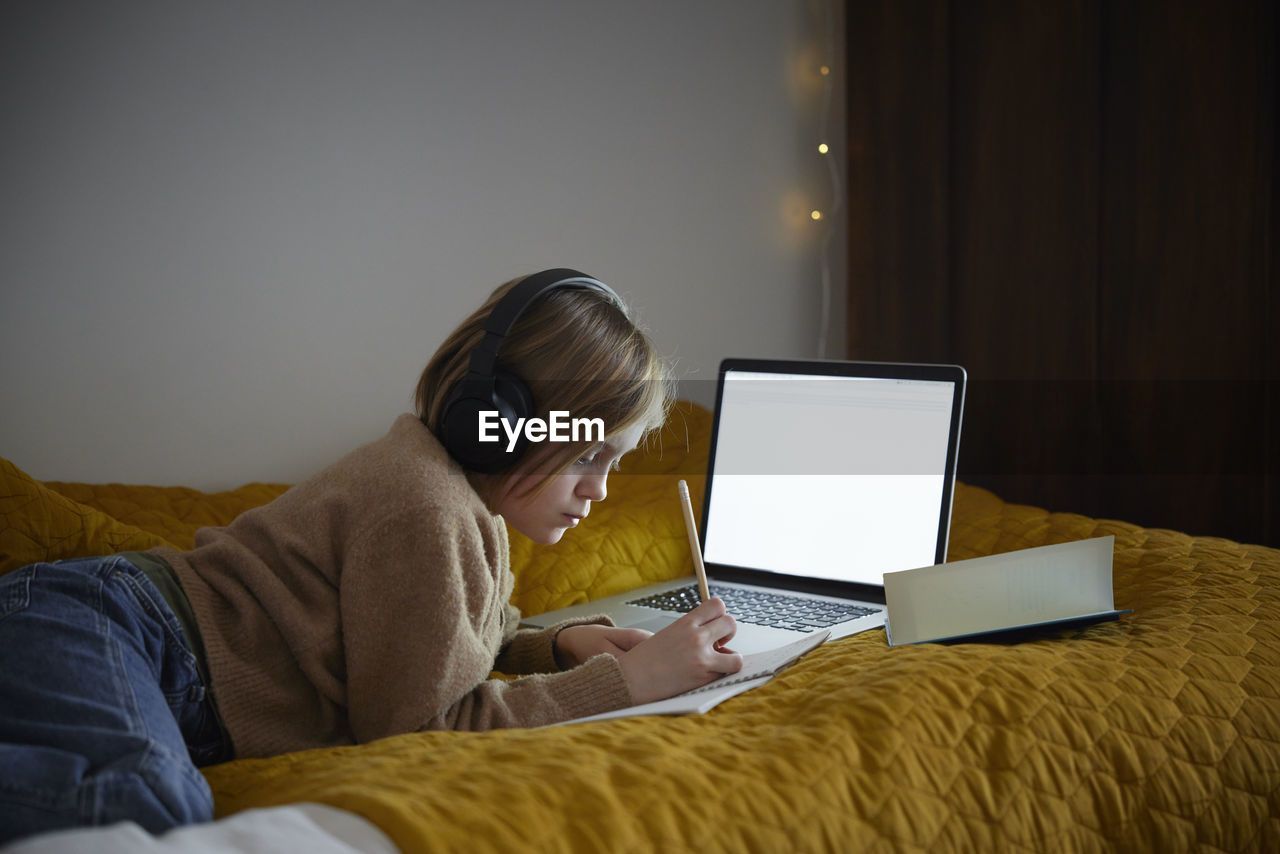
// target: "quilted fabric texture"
[[39, 524], [1158, 732], [173, 512], [1154, 733]]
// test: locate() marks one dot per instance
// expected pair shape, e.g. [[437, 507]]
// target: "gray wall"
[[232, 232]]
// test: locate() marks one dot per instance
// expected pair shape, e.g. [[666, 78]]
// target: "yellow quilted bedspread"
[[1158, 732]]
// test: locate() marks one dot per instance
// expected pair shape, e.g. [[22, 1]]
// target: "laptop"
[[822, 476]]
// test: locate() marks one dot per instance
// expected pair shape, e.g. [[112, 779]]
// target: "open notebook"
[[757, 669]]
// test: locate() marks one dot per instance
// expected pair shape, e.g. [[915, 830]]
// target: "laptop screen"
[[842, 475]]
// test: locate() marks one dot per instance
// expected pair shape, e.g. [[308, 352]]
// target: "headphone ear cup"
[[460, 422], [511, 397], [460, 432]]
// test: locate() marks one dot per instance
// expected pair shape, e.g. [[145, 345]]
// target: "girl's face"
[[545, 516]]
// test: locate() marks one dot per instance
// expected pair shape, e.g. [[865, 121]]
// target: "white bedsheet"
[[311, 828]]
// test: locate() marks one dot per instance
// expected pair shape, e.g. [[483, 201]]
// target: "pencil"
[[699, 569]]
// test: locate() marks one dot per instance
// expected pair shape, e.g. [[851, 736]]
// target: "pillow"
[[38, 524]]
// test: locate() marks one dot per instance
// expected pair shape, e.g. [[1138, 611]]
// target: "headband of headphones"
[[514, 303]]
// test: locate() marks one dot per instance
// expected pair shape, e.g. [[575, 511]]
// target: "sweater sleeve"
[[591, 688], [423, 618], [533, 650]]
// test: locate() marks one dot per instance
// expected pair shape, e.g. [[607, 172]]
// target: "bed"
[[1156, 732]]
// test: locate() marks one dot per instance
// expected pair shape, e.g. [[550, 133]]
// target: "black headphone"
[[484, 388]]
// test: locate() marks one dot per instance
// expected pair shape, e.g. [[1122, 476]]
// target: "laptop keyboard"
[[760, 608]]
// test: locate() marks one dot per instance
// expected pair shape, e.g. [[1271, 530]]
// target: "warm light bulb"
[[822, 148], [815, 215], [824, 71]]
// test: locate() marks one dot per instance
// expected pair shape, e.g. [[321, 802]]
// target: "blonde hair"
[[578, 351]]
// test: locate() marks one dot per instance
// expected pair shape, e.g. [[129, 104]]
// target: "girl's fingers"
[[709, 610], [720, 630], [727, 662], [715, 634]]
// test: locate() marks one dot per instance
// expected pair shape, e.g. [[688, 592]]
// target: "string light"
[[814, 75], [833, 172]]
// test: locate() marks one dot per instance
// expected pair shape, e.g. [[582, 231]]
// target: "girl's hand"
[[576, 644], [685, 655]]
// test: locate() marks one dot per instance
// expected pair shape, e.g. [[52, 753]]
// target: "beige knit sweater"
[[372, 600]]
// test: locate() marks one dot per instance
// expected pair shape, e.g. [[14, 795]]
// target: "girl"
[[367, 601]]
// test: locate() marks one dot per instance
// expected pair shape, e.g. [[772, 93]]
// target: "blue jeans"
[[103, 714]]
